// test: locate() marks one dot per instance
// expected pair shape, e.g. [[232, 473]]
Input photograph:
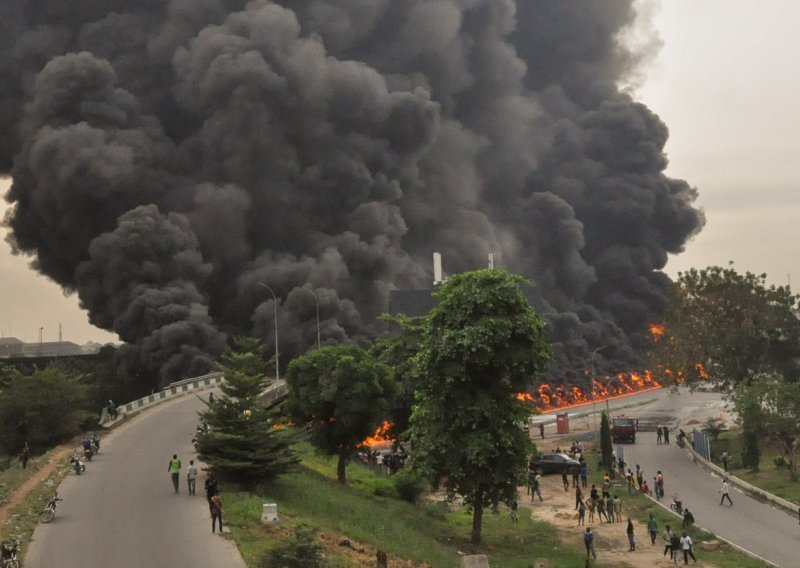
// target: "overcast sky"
[[725, 81]]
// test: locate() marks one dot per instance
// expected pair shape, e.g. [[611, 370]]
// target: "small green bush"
[[780, 462], [301, 552], [409, 486]]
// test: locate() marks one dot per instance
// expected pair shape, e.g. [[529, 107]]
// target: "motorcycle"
[[96, 445], [77, 464], [8, 554], [49, 510], [676, 505], [88, 453]]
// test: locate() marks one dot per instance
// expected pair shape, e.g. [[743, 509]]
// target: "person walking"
[[191, 477], [578, 497], [535, 490], [675, 548], [724, 491], [686, 546], [174, 469], [216, 512], [629, 531], [588, 541], [24, 456], [211, 486], [667, 542], [541, 430], [565, 479], [584, 475], [610, 509], [652, 529]]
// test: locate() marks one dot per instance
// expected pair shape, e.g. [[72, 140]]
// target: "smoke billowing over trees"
[[169, 155]]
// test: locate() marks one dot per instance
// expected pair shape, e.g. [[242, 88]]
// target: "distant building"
[[11, 347]]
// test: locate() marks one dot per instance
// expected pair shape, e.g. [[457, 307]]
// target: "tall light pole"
[[274, 305], [594, 398], [316, 303]]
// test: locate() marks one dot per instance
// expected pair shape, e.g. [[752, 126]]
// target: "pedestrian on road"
[[631, 541], [174, 470], [584, 475], [216, 512], [588, 541], [659, 434], [652, 528], [578, 497], [581, 513], [191, 477], [565, 479], [211, 486], [686, 546], [535, 490], [724, 491], [665, 430], [541, 430], [726, 458]]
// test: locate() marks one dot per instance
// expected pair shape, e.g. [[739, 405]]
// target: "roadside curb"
[[752, 490]]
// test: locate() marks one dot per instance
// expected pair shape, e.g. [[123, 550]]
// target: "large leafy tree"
[[340, 394], [46, 408], [731, 326], [245, 443], [481, 345]]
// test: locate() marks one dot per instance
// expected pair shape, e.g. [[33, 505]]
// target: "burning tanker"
[[169, 156]]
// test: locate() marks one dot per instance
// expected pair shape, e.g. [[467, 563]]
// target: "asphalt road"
[[760, 528], [123, 512]]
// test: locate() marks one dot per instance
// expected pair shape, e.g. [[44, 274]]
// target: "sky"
[[724, 80]]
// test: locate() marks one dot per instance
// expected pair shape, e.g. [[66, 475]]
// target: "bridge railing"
[[171, 391]]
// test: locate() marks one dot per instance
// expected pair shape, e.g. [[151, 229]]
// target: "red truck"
[[623, 428]]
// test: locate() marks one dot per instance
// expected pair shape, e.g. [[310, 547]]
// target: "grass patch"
[[430, 533], [769, 477]]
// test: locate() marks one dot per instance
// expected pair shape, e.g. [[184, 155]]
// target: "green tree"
[[244, 445], [606, 448], [750, 415], [44, 409], [482, 345], [729, 326], [340, 394], [770, 407], [714, 427]]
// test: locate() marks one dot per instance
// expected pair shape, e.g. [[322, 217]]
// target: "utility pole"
[[275, 306]]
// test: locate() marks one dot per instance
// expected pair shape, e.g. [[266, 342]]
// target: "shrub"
[[303, 551], [780, 462], [409, 486]]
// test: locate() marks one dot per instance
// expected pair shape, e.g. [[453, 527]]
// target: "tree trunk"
[[477, 516], [341, 468]]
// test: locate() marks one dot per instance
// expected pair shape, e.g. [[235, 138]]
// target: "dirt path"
[[49, 463]]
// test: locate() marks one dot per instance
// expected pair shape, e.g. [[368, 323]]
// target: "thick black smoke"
[[169, 156]]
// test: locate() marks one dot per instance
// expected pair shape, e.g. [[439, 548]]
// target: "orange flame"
[[657, 331], [701, 370], [380, 436]]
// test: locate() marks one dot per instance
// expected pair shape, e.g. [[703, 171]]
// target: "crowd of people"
[[175, 467]]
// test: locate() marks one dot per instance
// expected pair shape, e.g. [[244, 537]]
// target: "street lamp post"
[[275, 306], [594, 398], [316, 303]]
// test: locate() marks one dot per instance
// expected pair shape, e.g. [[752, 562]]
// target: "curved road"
[[123, 512], [757, 527]]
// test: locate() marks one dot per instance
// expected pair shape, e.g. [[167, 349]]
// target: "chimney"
[[437, 269]]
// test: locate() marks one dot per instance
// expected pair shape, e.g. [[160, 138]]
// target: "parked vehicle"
[[49, 510], [553, 463], [77, 464], [676, 505], [623, 428], [8, 554]]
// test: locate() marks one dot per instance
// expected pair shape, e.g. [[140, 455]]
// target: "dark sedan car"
[[553, 463]]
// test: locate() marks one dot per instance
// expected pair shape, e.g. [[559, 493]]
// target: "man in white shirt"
[[686, 546], [724, 492], [191, 476]]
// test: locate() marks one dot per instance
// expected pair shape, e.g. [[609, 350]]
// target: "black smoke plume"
[[169, 156]]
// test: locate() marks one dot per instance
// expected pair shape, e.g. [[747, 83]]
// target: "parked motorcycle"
[[77, 464], [676, 505], [8, 554], [49, 510]]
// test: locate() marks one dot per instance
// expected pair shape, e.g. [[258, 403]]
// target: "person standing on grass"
[[686, 546], [24, 456], [652, 528], [174, 469], [610, 509], [216, 512], [629, 531], [191, 477], [588, 541], [724, 491], [537, 479], [601, 511]]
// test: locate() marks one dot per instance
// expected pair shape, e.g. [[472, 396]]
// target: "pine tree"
[[245, 444]]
